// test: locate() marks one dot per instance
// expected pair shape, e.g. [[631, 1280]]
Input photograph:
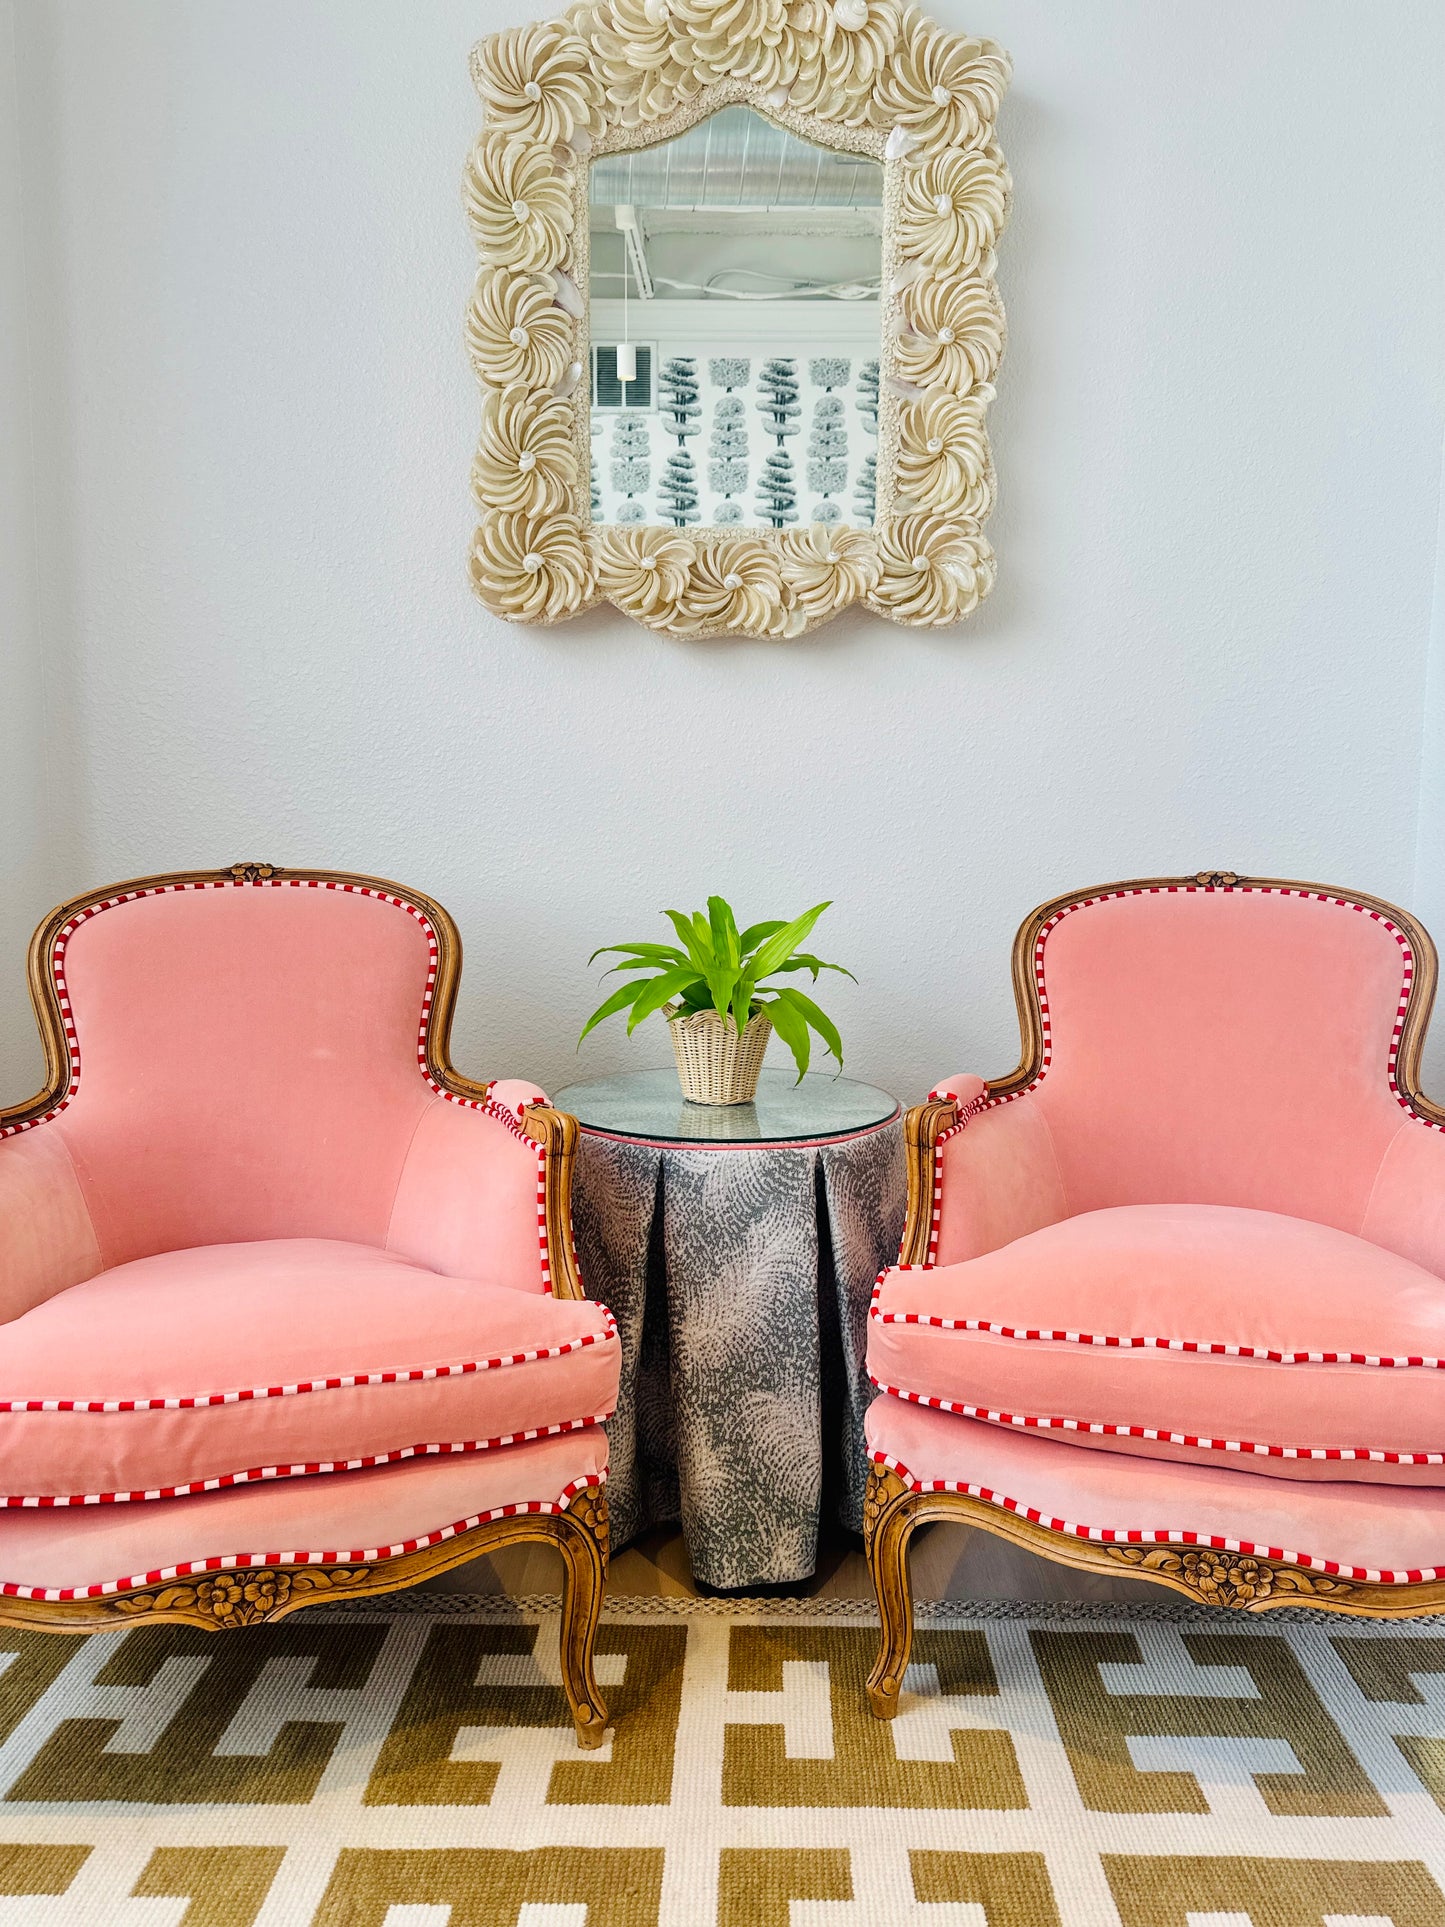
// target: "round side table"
[[737, 1246]]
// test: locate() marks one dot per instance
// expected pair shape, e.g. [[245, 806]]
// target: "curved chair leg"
[[582, 1538], [889, 1516]]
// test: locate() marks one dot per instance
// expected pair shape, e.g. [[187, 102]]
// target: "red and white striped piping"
[[362, 1555], [1204, 1347], [1162, 1535], [263, 1473], [979, 1104], [405, 1375], [1102, 1428], [501, 1112]]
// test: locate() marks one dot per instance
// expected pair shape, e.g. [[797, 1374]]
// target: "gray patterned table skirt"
[[740, 1281]]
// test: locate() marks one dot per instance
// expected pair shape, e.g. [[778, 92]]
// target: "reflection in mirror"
[[735, 330]]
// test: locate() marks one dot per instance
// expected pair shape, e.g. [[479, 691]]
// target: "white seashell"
[[985, 391], [732, 582], [527, 461], [899, 143], [521, 213], [941, 96], [942, 203], [905, 389], [776, 97], [581, 140], [567, 298], [568, 384], [933, 445], [945, 335], [648, 562], [851, 14], [656, 12], [532, 90], [910, 272], [531, 562]]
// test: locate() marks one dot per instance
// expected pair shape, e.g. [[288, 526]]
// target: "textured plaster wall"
[[1218, 439], [23, 812]]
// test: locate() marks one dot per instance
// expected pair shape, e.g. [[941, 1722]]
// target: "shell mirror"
[[735, 320]]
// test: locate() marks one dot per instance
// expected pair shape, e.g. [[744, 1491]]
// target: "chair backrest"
[[249, 1052], [1224, 1042]]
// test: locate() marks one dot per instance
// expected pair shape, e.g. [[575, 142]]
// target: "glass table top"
[[650, 1104]]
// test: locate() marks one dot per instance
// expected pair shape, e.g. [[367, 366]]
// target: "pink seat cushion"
[[227, 1363], [1365, 1532], [384, 1512], [1199, 1332]]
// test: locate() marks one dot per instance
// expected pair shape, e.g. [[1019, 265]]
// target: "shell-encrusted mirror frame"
[[868, 77]]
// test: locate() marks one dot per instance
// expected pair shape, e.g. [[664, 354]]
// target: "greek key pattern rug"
[[416, 1769]]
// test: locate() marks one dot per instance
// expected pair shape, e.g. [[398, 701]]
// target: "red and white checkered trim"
[[1207, 1347], [1161, 1535], [972, 1110], [502, 1113], [261, 1473], [1099, 1428], [402, 1375], [364, 1555]]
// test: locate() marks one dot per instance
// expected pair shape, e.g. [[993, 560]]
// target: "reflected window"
[[735, 302]]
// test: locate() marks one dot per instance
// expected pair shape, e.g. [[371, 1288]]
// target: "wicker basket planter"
[[714, 1064]]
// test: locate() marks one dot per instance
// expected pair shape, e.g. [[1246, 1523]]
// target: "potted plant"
[[714, 988]]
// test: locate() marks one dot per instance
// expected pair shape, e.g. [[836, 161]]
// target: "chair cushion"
[[1394, 1536], [1184, 1332], [351, 1516], [228, 1363]]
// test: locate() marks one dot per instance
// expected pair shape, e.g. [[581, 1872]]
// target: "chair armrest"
[[485, 1192], [47, 1240], [980, 1174], [1406, 1212]]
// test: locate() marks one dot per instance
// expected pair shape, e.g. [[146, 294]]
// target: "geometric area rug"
[[414, 1767]]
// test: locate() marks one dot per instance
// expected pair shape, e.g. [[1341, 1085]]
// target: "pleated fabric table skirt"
[[740, 1278]]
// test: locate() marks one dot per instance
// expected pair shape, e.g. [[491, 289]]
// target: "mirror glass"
[[735, 330]]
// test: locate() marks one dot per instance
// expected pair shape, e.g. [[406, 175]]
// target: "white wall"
[[1218, 437], [24, 824]]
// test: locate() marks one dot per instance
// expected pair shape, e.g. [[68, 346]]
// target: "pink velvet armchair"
[[1171, 1299], [288, 1309]]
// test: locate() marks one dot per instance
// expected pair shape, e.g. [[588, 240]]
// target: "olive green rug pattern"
[[415, 1768]]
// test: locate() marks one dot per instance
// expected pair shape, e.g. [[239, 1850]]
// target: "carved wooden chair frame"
[[874, 78], [239, 1596], [893, 1511]]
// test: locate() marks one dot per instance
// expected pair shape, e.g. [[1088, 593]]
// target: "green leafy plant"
[[716, 966]]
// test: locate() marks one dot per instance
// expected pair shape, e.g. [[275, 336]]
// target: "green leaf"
[[800, 960], [658, 952], [819, 1019], [724, 930], [742, 1002], [619, 1000], [756, 933], [792, 1028], [646, 963], [701, 956], [702, 935], [783, 942], [654, 995]]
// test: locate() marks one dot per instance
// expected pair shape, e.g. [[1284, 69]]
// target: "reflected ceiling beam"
[[860, 223], [636, 244]]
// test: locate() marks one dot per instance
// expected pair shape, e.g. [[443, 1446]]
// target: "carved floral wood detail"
[[871, 77]]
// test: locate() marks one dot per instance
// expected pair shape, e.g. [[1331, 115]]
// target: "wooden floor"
[[949, 1562]]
